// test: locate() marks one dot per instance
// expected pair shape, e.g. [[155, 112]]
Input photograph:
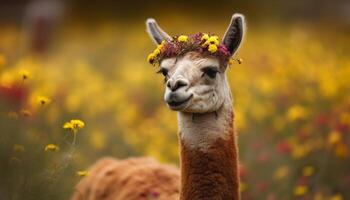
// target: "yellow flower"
[[341, 150], [334, 137], [345, 118], [77, 123], [308, 171], [156, 52], [43, 100], [281, 172], [296, 112], [150, 57], [205, 37], [160, 46], [238, 60], [82, 173], [300, 190], [212, 48], [336, 197], [74, 125], [182, 38], [242, 187], [212, 40], [24, 74], [52, 147]]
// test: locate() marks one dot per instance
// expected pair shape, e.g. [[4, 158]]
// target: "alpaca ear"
[[234, 33], [155, 32]]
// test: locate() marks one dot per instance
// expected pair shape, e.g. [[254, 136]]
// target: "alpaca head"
[[195, 81]]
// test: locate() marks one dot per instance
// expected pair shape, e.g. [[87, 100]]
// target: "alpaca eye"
[[210, 72], [164, 72]]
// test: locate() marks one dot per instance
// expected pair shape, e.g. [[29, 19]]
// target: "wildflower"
[[205, 37], [308, 171], [212, 40], [281, 172], [156, 52], [238, 60], [299, 151], [231, 61], [43, 100], [52, 147], [212, 48], [334, 137], [18, 148], [182, 38], [284, 147], [300, 190], [296, 112], [24, 74], [337, 197], [345, 118], [150, 58], [242, 187], [82, 173], [160, 46], [74, 125], [341, 150]]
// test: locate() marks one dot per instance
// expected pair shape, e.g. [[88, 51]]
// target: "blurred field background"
[[63, 60]]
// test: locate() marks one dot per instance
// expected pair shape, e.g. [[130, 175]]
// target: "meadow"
[[291, 98]]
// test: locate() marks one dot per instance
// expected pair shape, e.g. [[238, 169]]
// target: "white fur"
[[199, 131], [198, 123]]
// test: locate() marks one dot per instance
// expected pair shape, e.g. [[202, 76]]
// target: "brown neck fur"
[[211, 174]]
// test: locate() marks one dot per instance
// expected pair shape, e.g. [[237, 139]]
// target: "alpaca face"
[[194, 83]]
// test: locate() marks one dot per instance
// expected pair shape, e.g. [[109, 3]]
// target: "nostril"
[[178, 84]]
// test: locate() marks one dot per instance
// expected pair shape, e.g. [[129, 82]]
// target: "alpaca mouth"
[[178, 105]]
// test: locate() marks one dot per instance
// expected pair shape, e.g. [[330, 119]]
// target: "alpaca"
[[196, 87], [134, 178]]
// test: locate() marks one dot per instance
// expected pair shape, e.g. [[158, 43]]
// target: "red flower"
[[341, 127], [321, 119], [283, 147], [14, 94], [243, 172]]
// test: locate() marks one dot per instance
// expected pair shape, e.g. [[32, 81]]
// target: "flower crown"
[[200, 42]]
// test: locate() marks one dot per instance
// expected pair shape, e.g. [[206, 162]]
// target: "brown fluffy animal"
[[196, 87], [133, 178]]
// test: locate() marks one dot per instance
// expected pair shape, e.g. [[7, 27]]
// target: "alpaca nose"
[[174, 85]]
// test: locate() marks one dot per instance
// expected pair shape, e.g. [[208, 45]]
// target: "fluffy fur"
[[130, 179]]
